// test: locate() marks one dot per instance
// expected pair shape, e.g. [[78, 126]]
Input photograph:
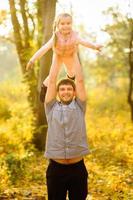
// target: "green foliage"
[[108, 125], [3, 16], [16, 130], [110, 137], [4, 109], [9, 65], [120, 33], [15, 167], [111, 67], [109, 133], [4, 177]]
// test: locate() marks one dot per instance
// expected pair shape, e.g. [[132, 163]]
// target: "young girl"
[[64, 43]]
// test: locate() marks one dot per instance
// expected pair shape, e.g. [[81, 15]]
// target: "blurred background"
[[25, 25]]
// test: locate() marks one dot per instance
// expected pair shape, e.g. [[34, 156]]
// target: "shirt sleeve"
[[82, 104], [49, 105]]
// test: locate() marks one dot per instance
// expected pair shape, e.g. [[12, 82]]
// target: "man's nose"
[[66, 91]]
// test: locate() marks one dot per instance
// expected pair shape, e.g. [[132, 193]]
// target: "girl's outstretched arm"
[[87, 44], [40, 53]]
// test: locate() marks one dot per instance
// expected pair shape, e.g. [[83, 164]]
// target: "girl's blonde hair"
[[55, 24]]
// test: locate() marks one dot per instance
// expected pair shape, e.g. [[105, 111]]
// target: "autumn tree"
[[120, 50], [32, 26], [130, 93]]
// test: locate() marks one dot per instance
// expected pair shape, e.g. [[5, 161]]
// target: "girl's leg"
[[69, 66], [70, 63]]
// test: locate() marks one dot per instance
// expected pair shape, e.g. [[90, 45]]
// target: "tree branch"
[[25, 22]]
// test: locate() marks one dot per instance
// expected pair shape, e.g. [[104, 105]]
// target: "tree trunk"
[[24, 38], [48, 14], [130, 92], [22, 48]]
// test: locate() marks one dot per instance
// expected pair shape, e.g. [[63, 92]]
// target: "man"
[[66, 142]]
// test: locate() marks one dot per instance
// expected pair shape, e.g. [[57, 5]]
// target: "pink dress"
[[68, 47]]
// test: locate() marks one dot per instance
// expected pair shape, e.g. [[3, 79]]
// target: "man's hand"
[[29, 65]]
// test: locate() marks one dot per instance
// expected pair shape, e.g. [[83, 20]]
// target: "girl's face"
[[65, 25]]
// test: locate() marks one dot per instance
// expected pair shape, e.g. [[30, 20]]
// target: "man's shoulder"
[[77, 99], [81, 104], [49, 105]]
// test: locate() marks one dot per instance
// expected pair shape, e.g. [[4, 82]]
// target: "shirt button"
[[67, 141]]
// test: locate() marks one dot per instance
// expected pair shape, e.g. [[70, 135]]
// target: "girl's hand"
[[29, 65], [99, 47]]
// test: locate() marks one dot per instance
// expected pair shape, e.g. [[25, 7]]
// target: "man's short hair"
[[66, 81]]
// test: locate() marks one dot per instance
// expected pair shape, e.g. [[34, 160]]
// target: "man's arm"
[[80, 87], [51, 89]]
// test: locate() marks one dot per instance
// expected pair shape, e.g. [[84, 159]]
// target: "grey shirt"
[[66, 135]]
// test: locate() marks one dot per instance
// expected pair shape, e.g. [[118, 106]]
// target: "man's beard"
[[66, 102]]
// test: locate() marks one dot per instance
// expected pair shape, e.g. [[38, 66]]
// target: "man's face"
[[66, 93]]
